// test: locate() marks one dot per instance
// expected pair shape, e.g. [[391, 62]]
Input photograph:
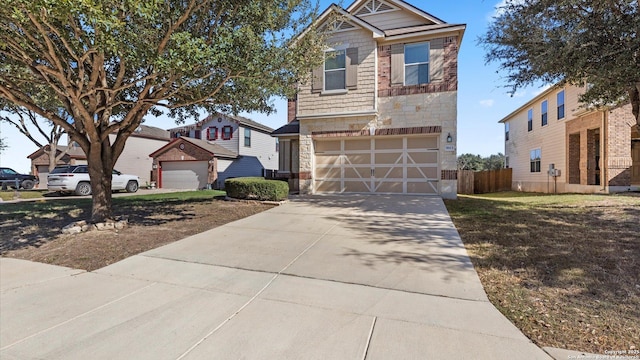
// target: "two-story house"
[[220, 146], [590, 150], [380, 115]]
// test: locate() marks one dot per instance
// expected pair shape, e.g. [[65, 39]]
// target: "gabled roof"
[[151, 132], [433, 25], [75, 152], [292, 128], [238, 119], [213, 149], [401, 4], [377, 33]]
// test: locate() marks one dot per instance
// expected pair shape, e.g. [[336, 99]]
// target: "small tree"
[[25, 121], [593, 42], [494, 161], [470, 162], [108, 63]]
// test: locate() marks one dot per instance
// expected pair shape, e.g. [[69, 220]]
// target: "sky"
[[483, 98]]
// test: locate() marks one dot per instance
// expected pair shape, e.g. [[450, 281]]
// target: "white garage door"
[[405, 165], [184, 174]]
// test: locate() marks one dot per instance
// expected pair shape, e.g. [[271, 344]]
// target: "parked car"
[[8, 178], [75, 179]]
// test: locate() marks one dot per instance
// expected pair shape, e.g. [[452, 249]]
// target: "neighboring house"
[[214, 149], [380, 115], [134, 159], [592, 151], [40, 161]]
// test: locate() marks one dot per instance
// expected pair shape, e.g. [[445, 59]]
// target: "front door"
[[635, 155]]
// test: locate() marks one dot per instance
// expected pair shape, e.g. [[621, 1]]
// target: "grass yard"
[[22, 194], [565, 269], [31, 230]]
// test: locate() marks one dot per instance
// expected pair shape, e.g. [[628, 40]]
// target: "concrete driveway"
[[335, 277]]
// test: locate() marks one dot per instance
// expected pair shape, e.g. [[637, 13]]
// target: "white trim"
[[454, 29], [403, 5]]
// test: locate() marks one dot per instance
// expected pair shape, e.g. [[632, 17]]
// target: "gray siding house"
[[227, 146]]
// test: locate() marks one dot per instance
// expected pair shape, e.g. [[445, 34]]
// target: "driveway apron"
[[326, 277]]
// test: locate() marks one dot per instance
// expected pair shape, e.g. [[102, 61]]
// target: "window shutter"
[[352, 68], [436, 60], [316, 79], [208, 133], [397, 64]]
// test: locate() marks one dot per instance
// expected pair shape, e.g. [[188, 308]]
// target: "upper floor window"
[[544, 107], [335, 70], [560, 101], [534, 160], [416, 64], [227, 132], [530, 120], [212, 133], [277, 145], [247, 137], [506, 131]]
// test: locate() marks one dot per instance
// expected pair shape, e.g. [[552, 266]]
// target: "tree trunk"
[[100, 170]]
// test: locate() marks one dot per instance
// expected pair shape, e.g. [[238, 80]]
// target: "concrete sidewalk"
[[335, 277]]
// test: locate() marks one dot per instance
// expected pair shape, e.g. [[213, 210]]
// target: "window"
[[227, 132], [543, 110], [560, 98], [530, 120], [335, 70], [277, 145], [416, 64], [212, 133], [535, 160], [247, 137], [506, 131]]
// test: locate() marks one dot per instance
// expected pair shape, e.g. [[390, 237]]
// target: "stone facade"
[[381, 105]]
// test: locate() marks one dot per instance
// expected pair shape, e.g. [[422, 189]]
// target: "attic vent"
[[345, 26], [337, 26], [373, 7]]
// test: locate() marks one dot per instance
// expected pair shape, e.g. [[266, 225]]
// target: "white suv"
[[75, 178]]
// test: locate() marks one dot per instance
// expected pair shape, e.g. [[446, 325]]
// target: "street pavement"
[[324, 277]]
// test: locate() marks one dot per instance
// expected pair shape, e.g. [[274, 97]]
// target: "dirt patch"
[[36, 235], [564, 269]]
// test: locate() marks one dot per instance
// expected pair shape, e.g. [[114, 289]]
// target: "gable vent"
[[373, 7], [345, 26]]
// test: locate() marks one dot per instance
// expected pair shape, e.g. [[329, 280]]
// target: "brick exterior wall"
[[615, 147], [291, 110], [619, 160], [450, 73], [574, 158], [190, 153]]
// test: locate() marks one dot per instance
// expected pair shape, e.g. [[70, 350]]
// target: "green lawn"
[[22, 194], [563, 268]]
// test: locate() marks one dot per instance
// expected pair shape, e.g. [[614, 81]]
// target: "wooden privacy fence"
[[470, 182]]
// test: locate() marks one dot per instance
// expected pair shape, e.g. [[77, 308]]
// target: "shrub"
[[256, 188]]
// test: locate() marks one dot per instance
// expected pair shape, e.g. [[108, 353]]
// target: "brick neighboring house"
[[204, 154], [380, 116], [596, 151], [134, 159]]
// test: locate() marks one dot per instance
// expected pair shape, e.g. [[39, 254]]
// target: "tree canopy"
[[96, 68], [579, 42], [479, 163]]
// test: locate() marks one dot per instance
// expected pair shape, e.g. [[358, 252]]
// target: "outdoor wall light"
[[449, 138]]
